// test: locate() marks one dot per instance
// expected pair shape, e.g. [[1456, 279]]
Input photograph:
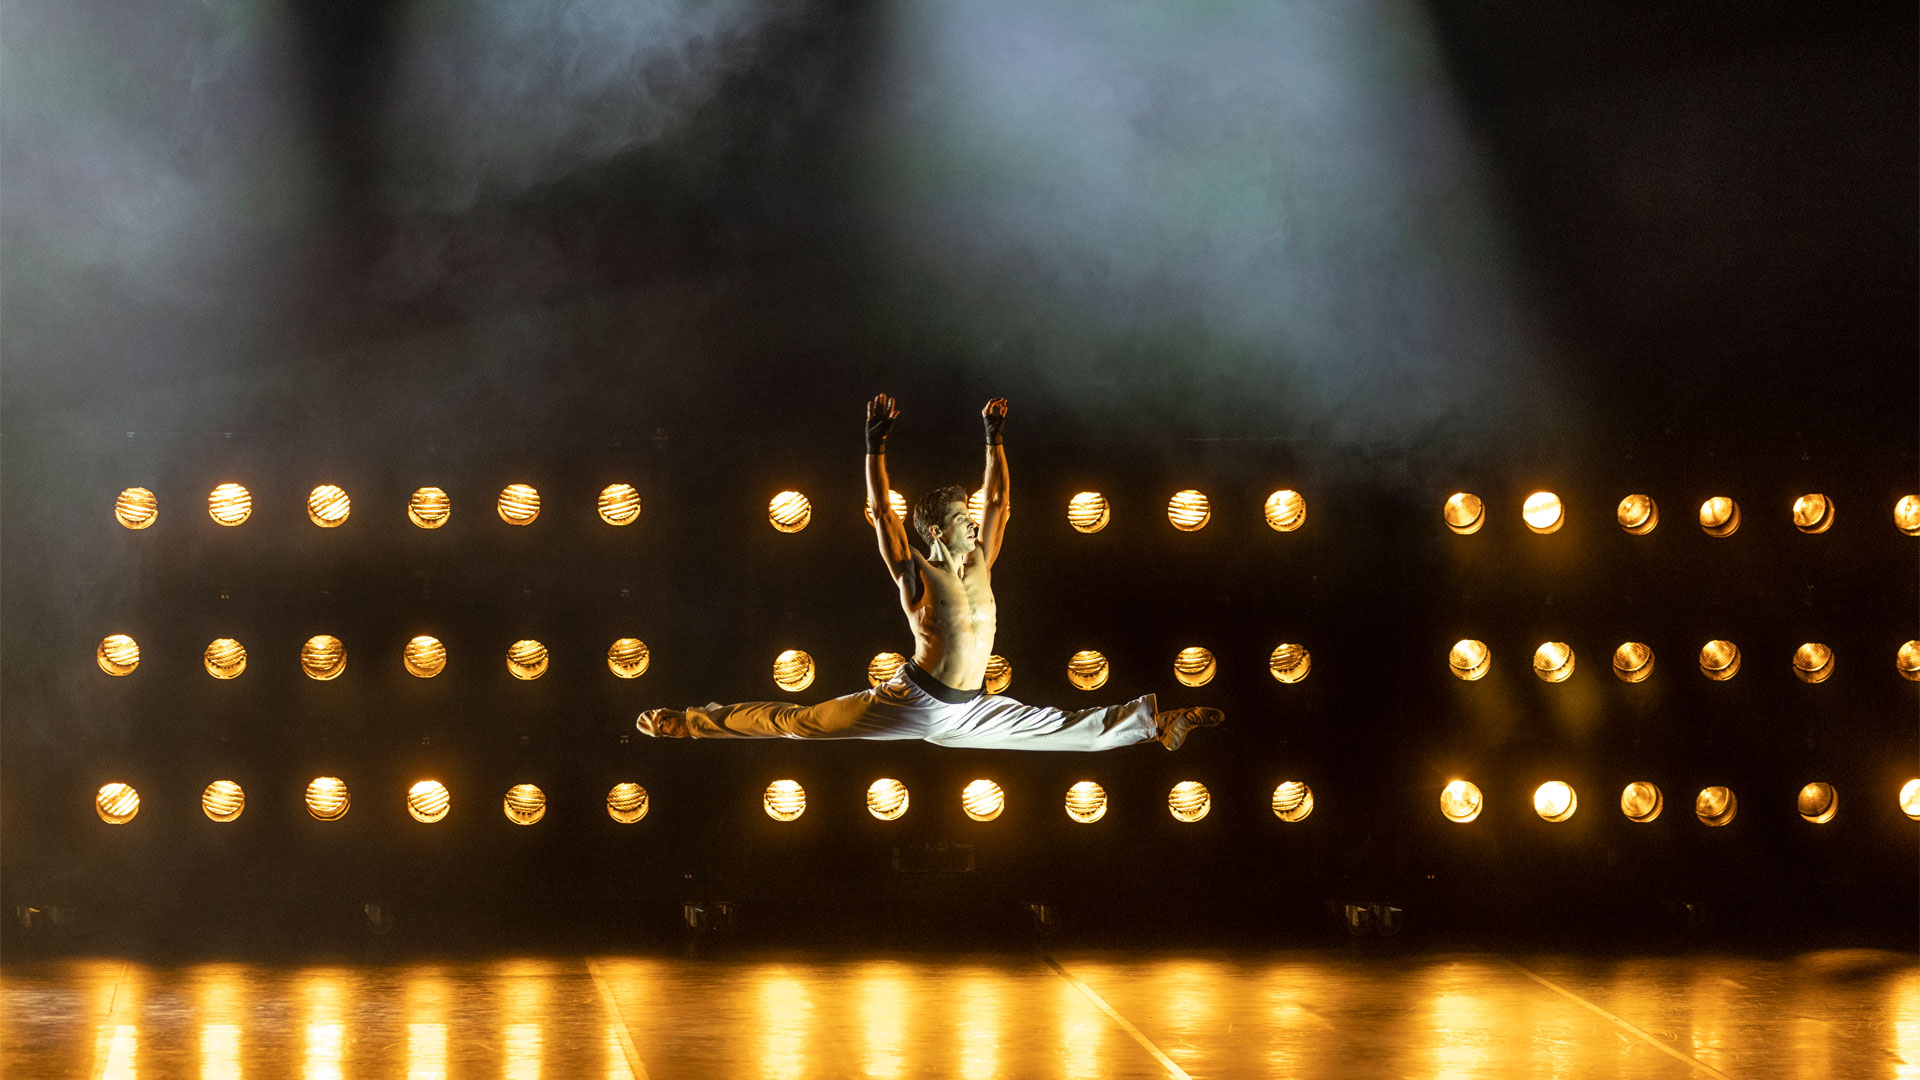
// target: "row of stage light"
[[324, 658], [1189, 510], [1461, 801]]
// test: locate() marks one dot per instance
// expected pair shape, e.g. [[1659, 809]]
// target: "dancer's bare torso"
[[953, 619]]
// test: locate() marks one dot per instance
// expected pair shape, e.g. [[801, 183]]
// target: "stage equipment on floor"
[[793, 670], [136, 508], [1641, 801], [424, 657], [118, 654], [1715, 805], [116, 803], [223, 800], [428, 801], [1907, 660], [1813, 662], [1289, 662], [619, 504], [1464, 513], [1543, 512], [524, 804], [790, 511], [519, 504], [895, 502], [1189, 801], [983, 800], [1460, 801], [1633, 661], [883, 667], [1818, 802], [225, 658], [328, 506], [1088, 512], [627, 657], [229, 504], [1906, 514], [1194, 666], [1638, 514], [1719, 660], [1286, 510], [1910, 799], [1189, 510], [1292, 801], [526, 659], [886, 799], [1469, 659], [1553, 661], [429, 507], [977, 508], [784, 800], [1087, 670], [1086, 802], [1555, 800], [999, 674], [1813, 513], [323, 657], [627, 802], [1720, 516], [327, 798]]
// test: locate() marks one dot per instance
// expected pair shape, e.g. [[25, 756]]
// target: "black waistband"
[[936, 689]]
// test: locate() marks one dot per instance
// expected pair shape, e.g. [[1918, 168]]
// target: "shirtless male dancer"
[[947, 595]]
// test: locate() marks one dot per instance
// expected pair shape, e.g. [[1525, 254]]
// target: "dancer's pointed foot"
[[663, 723], [1176, 723]]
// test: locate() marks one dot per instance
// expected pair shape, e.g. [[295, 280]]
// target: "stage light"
[[1715, 805], [983, 800], [136, 508], [1289, 663], [628, 658], [519, 504], [886, 799], [428, 801], [328, 506], [429, 507], [977, 507], [1194, 666], [327, 798], [1720, 516], [118, 654], [1906, 514], [790, 511], [323, 657], [1543, 512], [884, 667], [1464, 512], [425, 657], [1087, 670], [999, 675], [1638, 514], [1633, 661], [1641, 801], [525, 804], [223, 800], [1813, 513], [1553, 661], [225, 658], [1088, 512], [793, 670], [230, 504], [1818, 802], [1286, 510], [1086, 802], [1460, 801], [1813, 662], [116, 803], [1910, 799], [627, 803], [785, 800], [526, 659], [619, 504], [1907, 660], [1469, 659], [1292, 801], [1189, 510], [1719, 660], [895, 502], [1555, 800], [1189, 801]]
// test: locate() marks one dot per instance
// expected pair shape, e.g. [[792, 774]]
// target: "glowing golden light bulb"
[[977, 507], [1641, 801], [1907, 660], [895, 502], [118, 654], [1555, 800], [1289, 662], [328, 506], [225, 658], [884, 667], [230, 504], [1633, 661], [1719, 660], [1469, 659], [428, 801], [1189, 801], [1464, 512], [999, 674], [1087, 670], [1813, 513], [526, 659], [1910, 799], [525, 804], [1292, 801], [983, 800], [790, 511], [1194, 666], [1638, 514], [793, 670], [1286, 510], [519, 504], [116, 803], [327, 798], [1189, 510], [886, 799], [785, 800], [1715, 805], [628, 658], [136, 508], [619, 504], [1720, 516], [1553, 661], [424, 657], [1818, 803], [1906, 515], [223, 800], [429, 508], [627, 802], [1543, 512], [1813, 662], [1460, 801], [1086, 802], [1088, 512], [323, 657]]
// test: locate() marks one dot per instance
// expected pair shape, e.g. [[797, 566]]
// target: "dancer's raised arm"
[[892, 535], [993, 525]]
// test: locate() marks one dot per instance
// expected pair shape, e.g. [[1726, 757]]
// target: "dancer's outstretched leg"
[[884, 712], [1001, 723]]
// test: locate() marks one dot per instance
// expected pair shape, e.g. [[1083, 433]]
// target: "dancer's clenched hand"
[[994, 417], [881, 413]]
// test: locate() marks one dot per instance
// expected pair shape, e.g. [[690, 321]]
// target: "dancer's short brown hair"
[[933, 506]]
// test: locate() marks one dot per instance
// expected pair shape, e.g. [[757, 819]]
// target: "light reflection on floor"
[[1453, 1016]]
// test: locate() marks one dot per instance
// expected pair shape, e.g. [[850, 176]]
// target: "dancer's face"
[[958, 531]]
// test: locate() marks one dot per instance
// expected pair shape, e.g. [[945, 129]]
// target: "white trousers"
[[900, 710]]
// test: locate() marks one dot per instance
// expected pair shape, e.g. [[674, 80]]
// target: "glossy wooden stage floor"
[[1850, 1013]]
